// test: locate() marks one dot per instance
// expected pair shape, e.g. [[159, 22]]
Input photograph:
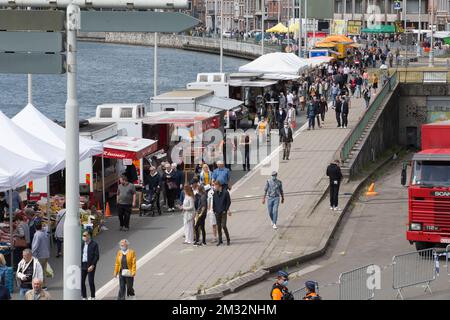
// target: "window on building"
[[359, 6], [126, 112], [412, 6], [106, 113], [349, 6], [338, 6]]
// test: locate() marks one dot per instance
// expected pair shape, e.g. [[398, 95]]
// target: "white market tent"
[[34, 122], [278, 63], [19, 141], [16, 170]]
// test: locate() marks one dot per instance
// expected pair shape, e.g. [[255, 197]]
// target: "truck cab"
[[429, 189]]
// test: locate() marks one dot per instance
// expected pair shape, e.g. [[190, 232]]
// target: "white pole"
[[306, 29], [345, 9], [221, 36], [155, 66], [420, 28], [103, 184], [279, 10], [72, 228], [11, 227], [262, 25], [300, 29], [288, 18], [30, 89], [314, 31], [431, 55], [215, 18], [49, 227]]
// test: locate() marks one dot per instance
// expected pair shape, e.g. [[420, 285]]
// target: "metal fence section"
[[353, 285], [412, 269], [299, 294], [438, 75], [357, 132], [435, 77]]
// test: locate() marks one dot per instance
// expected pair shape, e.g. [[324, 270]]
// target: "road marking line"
[[307, 270], [113, 283]]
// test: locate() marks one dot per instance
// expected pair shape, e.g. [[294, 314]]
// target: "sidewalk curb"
[[251, 278]]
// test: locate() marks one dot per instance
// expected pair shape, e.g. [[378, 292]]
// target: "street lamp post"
[[431, 54], [300, 29], [305, 53], [263, 10], [420, 28], [221, 36]]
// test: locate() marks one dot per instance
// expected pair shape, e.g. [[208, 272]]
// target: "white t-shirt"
[[290, 98]]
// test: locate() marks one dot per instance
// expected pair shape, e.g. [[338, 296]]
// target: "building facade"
[[384, 12]]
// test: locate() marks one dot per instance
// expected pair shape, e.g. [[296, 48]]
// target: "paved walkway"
[[175, 271]]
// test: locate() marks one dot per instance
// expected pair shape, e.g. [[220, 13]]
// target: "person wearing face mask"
[[125, 269], [280, 290], [37, 293], [89, 258], [286, 138], [273, 190]]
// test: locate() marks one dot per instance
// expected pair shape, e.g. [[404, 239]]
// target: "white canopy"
[[20, 142], [16, 170], [277, 62], [34, 122]]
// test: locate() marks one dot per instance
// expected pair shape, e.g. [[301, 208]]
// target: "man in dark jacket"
[[338, 109], [281, 116], [345, 110], [221, 206], [152, 187], [286, 139], [323, 107], [335, 174], [89, 258]]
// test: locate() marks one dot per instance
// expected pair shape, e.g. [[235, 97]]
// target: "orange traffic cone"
[[107, 211], [371, 191]]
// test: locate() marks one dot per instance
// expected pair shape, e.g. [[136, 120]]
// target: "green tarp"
[[447, 40], [380, 29]]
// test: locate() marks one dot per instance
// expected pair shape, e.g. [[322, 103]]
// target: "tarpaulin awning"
[[279, 28], [252, 84], [125, 147], [338, 38], [325, 44], [380, 29], [183, 119], [276, 62], [279, 76], [34, 122], [214, 104]]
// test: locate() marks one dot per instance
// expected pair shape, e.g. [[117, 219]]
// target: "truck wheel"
[[423, 245]]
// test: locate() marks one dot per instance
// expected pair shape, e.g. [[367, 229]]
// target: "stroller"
[[149, 204]]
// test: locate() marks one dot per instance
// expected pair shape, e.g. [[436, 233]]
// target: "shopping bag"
[[49, 271]]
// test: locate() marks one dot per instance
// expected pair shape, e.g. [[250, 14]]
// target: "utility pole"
[[300, 29], [288, 18], [221, 36], [72, 227], [420, 28], [263, 2], [155, 66], [431, 54], [306, 30], [215, 18]]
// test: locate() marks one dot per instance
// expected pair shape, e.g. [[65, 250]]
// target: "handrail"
[[437, 75], [357, 131]]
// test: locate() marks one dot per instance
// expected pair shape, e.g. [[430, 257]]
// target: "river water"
[[110, 73]]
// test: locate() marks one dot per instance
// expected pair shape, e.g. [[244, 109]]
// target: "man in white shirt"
[[290, 98]]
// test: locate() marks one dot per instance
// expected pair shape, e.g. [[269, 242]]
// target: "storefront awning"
[[214, 104], [183, 119], [125, 147], [380, 29], [279, 76]]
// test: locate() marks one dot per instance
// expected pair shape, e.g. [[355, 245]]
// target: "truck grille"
[[432, 212]]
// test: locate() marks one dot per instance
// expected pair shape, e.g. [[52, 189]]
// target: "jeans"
[[367, 102], [286, 150], [125, 285], [124, 215], [358, 91], [59, 242], [221, 219], [338, 118], [318, 119], [200, 226], [43, 263], [311, 122], [22, 292], [334, 193], [272, 207], [344, 119], [90, 275]]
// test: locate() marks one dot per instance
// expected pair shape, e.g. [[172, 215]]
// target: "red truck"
[[429, 189]]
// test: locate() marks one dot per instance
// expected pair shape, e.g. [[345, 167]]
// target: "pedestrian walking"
[[171, 186], [3, 206], [280, 290], [375, 83], [89, 257], [126, 200], [205, 175], [37, 292], [335, 175], [152, 188], [311, 115], [221, 207], [281, 117], [125, 269], [28, 269], [345, 111], [59, 231], [367, 95], [188, 214], [210, 211], [311, 293], [200, 217], [323, 108], [286, 138], [338, 109], [41, 248], [273, 191], [222, 174], [245, 143], [291, 117]]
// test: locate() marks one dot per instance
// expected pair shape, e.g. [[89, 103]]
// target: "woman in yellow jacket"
[[125, 268]]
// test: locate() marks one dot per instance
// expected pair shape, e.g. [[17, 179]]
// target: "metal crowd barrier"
[[353, 285], [413, 268], [299, 294]]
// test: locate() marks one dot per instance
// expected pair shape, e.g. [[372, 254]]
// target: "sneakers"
[[331, 208], [274, 226], [336, 209], [92, 298]]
